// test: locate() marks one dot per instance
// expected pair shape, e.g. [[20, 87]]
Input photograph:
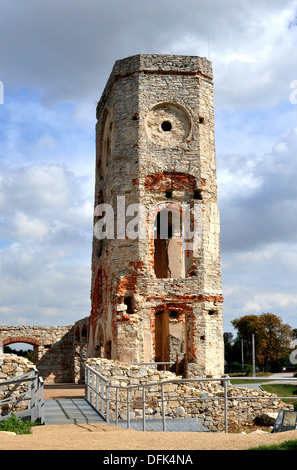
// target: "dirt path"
[[104, 437]]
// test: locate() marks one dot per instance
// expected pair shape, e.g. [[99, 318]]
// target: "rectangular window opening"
[[128, 301], [198, 194]]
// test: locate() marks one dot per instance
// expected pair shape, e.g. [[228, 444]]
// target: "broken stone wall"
[[181, 398]]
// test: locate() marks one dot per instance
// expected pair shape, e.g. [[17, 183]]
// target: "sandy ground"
[[104, 437]]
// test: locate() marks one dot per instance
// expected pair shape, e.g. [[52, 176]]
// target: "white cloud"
[[59, 57]]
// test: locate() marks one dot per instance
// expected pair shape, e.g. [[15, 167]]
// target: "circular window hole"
[[166, 126]]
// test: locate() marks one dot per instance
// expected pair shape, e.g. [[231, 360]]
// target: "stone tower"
[[156, 276]]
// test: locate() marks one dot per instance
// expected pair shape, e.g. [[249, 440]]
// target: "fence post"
[[41, 400], [88, 382], [163, 408], [128, 408], [143, 408], [97, 393], [226, 404], [102, 396], [34, 385], [117, 407], [107, 403]]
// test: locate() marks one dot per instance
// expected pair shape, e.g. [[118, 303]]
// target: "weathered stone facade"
[[59, 352], [12, 366], [157, 298]]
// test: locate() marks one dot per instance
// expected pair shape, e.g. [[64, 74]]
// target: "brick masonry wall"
[[137, 160]]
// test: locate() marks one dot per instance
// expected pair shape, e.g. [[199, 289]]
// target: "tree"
[[228, 342], [272, 336]]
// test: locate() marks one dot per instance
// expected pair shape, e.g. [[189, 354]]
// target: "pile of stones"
[[202, 400]]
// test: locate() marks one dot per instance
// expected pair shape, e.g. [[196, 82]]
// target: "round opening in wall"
[[166, 126]]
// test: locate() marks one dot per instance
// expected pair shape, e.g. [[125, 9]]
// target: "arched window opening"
[[84, 331], [108, 349], [170, 337], [20, 349], [168, 245], [77, 334], [100, 342]]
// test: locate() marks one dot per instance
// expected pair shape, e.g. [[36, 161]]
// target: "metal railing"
[[154, 364], [97, 391], [99, 395], [33, 394]]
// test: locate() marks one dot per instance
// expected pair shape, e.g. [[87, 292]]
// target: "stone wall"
[[59, 351], [155, 148], [181, 398], [13, 366]]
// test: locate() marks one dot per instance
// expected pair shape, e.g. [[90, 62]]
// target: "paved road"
[[273, 378]]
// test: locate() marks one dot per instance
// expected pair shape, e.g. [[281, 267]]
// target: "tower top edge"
[[163, 62], [157, 64]]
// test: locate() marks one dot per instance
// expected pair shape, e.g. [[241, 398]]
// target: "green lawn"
[[282, 390], [286, 445], [243, 381]]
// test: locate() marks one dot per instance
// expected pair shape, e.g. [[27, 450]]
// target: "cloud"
[[45, 263], [66, 50], [259, 196], [55, 60]]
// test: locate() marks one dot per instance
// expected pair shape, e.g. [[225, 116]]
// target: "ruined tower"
[[156, 276]]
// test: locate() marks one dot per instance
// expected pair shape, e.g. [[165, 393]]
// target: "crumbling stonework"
[[13, 366], [155, 298], [181, 398], [59, 351]]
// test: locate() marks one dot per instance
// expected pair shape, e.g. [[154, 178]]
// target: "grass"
[[286, 445], [243, 381], [282, 390], [17, 425]]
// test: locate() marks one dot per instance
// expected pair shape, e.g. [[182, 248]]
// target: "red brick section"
[[21, 339], [169, 181], [189, 298]]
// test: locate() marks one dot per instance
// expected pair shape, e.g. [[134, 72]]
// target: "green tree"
[[272, 336]]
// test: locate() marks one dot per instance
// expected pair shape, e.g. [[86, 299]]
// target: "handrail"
[[97, 391], [105, 397], [34, 395], [151, 364]]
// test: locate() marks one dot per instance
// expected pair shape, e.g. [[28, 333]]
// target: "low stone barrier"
[[203, 400], [11, 367]]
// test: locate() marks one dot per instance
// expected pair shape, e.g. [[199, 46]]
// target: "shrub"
[[235, 367], [248, 370], [16, 424]]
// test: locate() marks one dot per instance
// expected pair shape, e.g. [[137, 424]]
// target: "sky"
[[55, 58]]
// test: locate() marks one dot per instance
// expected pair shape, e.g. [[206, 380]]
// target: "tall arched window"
[[168, 245]]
